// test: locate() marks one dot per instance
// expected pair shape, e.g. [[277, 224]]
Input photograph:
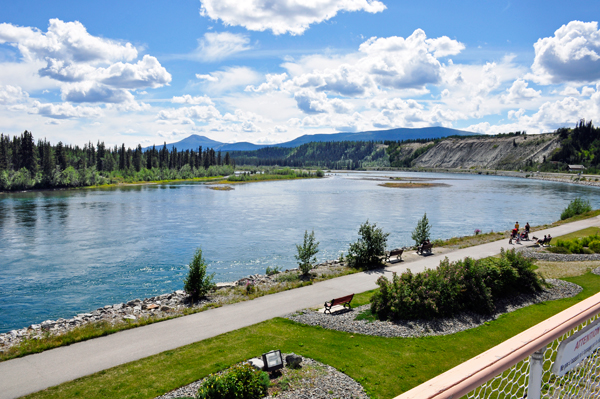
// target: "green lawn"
[[385, 366], [580, 233]]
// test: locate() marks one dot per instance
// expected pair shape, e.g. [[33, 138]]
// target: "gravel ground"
[[344, 321], [540, 254], [319, 381]]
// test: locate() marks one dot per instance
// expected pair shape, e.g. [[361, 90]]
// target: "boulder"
[[165, 308], [257, 363], [129, 317], [152, 306], [293, 361]]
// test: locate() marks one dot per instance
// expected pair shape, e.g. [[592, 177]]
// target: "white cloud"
[[274, 82], [186, 115], [520, 92], [208, 78], [12, 95], [92, 92], [188, 99], [147, 72], [229, 79], [87, 68], [571, 55], [282, 16], [67, 41], [65, 110], [217, 46], [310, 102]]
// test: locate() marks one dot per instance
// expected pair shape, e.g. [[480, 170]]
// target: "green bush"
[[198, 283], [595, 246], [306, 252], [576, 207], [241, 381], [369, 248], [453, 287]]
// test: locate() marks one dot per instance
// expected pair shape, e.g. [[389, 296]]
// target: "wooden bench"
[[345, 300], [424, 248], [395, 252]]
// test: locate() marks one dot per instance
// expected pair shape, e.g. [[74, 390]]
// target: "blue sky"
[[268, 71]]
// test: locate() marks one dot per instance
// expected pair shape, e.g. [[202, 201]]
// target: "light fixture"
[[273, 360]]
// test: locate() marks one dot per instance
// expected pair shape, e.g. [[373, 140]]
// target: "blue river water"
[[68, 252]]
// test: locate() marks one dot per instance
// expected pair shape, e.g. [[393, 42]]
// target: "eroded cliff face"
[[494, 152]]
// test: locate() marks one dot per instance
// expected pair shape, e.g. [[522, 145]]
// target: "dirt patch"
[[565, 269], [221, 188], [414, 185]]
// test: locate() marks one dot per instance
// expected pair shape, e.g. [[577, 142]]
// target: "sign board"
[[576, 348]]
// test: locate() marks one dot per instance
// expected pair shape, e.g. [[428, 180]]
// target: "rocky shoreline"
[[163, 306]]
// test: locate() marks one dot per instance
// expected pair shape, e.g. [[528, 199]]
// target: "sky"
[[267, 71]]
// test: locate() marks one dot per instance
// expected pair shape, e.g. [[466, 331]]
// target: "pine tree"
[[3, 152], [421, 232], [61, 159]]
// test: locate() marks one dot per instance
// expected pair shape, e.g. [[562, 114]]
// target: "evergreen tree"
[[122, 157], [29, 158], [3, 152], [421, 232], [61, 159], [100, 157]]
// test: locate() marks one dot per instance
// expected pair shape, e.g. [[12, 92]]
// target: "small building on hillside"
[[576, 168]]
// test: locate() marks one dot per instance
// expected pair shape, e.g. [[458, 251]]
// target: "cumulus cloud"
[[217, 46], [396, 62], [310, 102], [274, 82], [92, 92], [65, 110], [89, 68], [12, 95], [519, 92], [67, 41], [186, 115], [188, 99], [571, 55], [282, 16]]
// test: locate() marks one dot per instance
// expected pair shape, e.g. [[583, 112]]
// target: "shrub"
[[370, 247], [421, 232], [271, 271], [306, 252], [453, 287], [595, 246], [576, 207], [198, 283], [241, 381], [320, 173]]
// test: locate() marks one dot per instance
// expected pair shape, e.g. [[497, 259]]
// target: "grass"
[[386, 367], [579, 234], [139, 183]]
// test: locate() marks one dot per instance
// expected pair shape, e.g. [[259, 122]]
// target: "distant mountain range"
[[194, 141]]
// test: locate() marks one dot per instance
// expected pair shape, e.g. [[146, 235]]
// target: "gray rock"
[[118, 306], [293, 361], [257, 363], [129, 317]]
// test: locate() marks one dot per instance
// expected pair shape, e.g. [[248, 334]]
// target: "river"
[[72, 251]]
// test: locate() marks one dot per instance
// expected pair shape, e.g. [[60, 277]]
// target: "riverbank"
[[139, 312], [571, 178]]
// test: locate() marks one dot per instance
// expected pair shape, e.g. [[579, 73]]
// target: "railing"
[[526, 365]]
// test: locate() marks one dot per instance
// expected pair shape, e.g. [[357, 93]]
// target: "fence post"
[[536, 369]]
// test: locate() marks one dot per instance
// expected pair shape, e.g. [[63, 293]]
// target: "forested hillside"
[[580, 145], [330, 155], [25, 164]]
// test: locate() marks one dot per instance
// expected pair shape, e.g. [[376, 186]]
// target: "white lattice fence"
[[524, 366], [581, 382]]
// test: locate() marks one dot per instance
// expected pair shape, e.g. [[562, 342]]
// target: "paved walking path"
[[39, 371]]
